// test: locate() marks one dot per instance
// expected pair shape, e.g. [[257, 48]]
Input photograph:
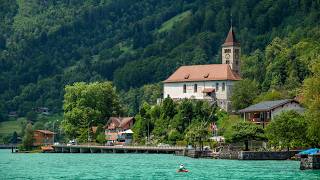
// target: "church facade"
[[211, 82]]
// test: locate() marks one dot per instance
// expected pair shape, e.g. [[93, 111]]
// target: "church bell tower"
[[231, 51]]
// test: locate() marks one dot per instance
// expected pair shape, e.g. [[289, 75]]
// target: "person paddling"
[[182, 168]]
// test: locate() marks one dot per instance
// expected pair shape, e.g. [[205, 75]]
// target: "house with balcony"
[[263, 112]]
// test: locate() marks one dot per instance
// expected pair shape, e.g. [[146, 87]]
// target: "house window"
[[223, 86], [184, 88], [237, 62], [195, 88], [227, 50], [217, 86]]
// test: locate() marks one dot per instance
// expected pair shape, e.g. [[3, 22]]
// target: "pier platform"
[[116, 149]]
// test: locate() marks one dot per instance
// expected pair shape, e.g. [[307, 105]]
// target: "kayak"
[[185, 170]]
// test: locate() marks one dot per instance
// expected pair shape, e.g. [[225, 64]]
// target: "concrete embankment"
[[266, 155]]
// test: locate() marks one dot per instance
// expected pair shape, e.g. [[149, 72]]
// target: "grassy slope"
[[166, 26], [8, 127]]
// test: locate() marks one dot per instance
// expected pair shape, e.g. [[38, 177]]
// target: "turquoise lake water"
[[142, 166]]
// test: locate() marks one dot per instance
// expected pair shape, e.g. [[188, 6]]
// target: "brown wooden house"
[[43, 137]]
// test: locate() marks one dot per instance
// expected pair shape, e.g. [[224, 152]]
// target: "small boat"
[[183, 170]]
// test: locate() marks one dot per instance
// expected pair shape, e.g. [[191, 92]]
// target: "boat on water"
[[183, 170]]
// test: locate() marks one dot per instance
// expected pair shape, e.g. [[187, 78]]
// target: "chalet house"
[[43, 137], [263, 112], [118, 130], [211, 82]]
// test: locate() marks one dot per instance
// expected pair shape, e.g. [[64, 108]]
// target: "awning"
[[310, 151], [208, 90], [129, 131]]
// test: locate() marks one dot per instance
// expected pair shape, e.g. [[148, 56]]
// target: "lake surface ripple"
[[142, 166]]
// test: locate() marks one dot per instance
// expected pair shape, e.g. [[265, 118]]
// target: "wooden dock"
[[117, 149]]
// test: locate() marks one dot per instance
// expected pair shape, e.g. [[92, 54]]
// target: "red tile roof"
[[231, 39], [118, 122], [203, 73]]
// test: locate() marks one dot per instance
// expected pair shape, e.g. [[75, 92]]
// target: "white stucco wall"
[[286, 107], [175, 90]]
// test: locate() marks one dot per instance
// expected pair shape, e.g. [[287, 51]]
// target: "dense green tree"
[[14, 138], [86, 105], [101, 138], [289, 130], [244, 131], [270, 96], [27, 140], [198, 133], [32, 116], [244, 92], [311, 94]]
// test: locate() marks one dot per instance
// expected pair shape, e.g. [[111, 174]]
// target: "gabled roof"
[[207, 72], [266, 105], [231, 38], [119, 122]]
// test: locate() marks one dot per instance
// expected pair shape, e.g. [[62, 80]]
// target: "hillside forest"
[[47, 45]]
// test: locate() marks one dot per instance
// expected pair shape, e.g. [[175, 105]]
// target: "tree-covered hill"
[[45, 45]]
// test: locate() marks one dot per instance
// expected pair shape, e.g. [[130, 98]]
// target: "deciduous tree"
[[244, 131], [289, 129], [244, 92], [86, 105]]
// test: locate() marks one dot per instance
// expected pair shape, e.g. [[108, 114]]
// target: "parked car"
[[72, 142]]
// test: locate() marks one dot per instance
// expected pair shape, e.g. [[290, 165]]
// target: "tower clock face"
[[227, 56]]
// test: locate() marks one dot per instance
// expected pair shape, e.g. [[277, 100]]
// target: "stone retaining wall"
[[310, 162], [266, 155]]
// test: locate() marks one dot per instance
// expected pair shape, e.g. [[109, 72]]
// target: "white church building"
[[211, 82]]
